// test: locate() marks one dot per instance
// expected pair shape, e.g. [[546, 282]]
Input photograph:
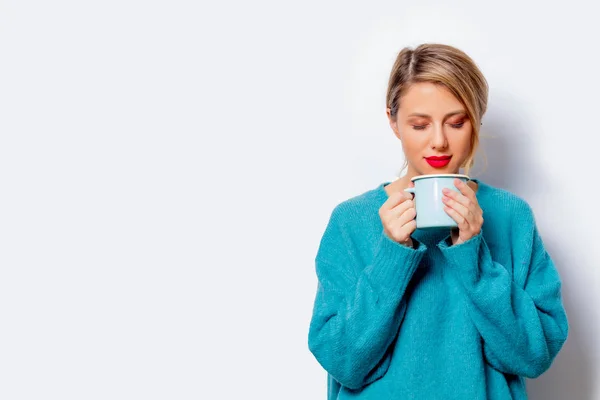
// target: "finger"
[[402, 233], [401, 208], [465, 190], [411, 184], [460, 220], [472, 205], [458, 207], [394, 199], [452, 198], [407, 216]]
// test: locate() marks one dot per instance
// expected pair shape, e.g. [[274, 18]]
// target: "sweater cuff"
[[394, 264], [464, 256]]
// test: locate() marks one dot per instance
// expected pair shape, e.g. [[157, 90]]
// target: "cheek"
[[462, 143], [413, 141], [413, 148]]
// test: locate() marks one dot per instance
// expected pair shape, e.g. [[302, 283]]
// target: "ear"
[[393, 123]]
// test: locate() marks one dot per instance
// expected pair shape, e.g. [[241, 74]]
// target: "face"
[[434, 129]]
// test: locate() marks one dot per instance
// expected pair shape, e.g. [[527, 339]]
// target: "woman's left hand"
[[464, 208]]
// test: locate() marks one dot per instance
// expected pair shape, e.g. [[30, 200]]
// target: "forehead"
[[429, 98]]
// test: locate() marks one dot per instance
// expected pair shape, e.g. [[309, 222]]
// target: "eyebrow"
[[447, 115]]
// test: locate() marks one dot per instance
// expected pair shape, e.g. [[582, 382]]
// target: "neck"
[[410, 173]]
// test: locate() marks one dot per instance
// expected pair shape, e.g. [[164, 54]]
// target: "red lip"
[[438, 161]]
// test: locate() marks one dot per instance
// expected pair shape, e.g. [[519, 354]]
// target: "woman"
[[403, 313]]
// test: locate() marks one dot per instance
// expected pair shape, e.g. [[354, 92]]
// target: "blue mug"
[[428, 199]]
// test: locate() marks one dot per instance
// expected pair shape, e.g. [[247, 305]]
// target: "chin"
[[445, 170]]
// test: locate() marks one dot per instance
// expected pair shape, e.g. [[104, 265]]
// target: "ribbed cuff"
[[463, 257], [394, 264]]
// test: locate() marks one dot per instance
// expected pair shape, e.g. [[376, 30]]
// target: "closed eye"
[[422, 127]]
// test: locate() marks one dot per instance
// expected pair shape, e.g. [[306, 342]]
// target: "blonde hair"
[[448, 66]]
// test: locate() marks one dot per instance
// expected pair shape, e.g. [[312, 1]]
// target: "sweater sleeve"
[[358, 309], [523, 326]]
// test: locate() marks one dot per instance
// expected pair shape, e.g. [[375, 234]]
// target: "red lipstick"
[[438, 162]]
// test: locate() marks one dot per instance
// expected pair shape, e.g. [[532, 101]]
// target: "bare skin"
[[431, 121]]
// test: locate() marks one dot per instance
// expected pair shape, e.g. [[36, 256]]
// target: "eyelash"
[[422, 127]]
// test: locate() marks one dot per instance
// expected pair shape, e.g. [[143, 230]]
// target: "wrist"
[[412, 243]]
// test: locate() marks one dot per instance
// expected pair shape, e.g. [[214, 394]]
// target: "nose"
[[438, 138]]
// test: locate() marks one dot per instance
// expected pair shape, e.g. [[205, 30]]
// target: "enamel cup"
[[428, 199]]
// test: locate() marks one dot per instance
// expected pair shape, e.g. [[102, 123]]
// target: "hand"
[[398, 217], [464, 208]]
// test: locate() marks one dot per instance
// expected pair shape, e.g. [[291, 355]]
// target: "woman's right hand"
[[398, 217]]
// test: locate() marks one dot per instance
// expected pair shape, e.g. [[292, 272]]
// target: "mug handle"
[[410, 190]]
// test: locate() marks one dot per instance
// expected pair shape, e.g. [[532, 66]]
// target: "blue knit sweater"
[[435, 321]]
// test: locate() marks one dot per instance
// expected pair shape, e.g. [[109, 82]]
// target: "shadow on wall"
[[506, 155], [572, 375], [510, 151]]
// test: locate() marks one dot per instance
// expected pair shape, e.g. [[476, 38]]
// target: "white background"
[[167, 169]]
